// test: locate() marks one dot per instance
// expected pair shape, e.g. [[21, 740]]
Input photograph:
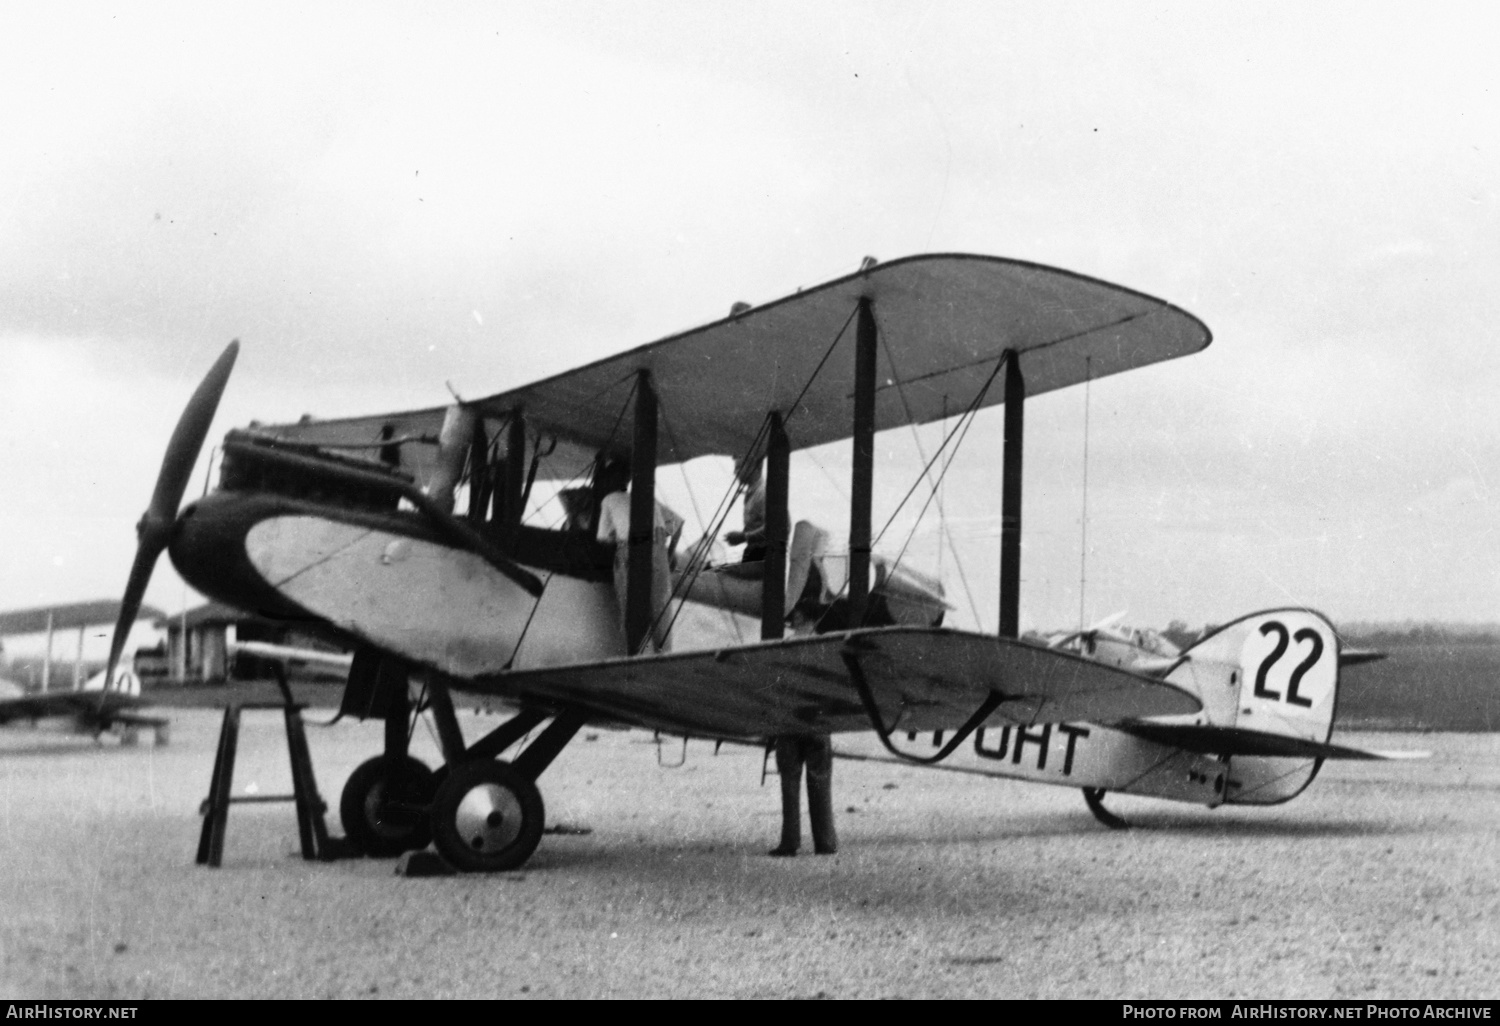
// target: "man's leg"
[[789, 771], [819, 752]]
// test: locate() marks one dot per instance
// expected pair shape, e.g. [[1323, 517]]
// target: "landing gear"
[[486, 817], [1094, 798], [384, 805]]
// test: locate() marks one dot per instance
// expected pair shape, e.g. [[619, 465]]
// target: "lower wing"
[[912, 678]]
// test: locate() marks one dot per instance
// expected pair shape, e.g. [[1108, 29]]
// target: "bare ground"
[[1379, 882]]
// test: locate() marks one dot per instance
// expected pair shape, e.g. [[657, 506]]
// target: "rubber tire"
[[455, 831], [361, 807]]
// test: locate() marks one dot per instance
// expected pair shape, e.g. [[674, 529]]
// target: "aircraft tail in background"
[[125, 683]]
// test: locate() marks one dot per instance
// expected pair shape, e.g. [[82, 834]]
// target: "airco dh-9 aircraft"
[[402, 535]]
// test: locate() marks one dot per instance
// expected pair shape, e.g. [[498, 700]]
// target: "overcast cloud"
[[381, 199]]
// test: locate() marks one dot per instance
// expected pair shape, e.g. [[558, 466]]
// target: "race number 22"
[[1283, 639]]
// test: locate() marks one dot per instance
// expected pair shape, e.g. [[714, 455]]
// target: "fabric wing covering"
[[943, 321], [920, 678]]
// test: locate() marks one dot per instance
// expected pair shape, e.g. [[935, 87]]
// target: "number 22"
[[1305, 634]]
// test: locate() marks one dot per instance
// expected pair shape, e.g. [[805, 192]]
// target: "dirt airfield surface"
[[1381, 881]]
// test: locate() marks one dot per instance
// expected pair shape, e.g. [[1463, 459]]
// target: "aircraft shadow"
[[556, 853]]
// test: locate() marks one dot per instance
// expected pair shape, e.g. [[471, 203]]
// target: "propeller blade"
[[1109, 621], [187, 441], [155, 528], [130, 605]]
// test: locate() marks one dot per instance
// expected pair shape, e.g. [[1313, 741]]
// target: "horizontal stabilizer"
[[288, 654], [1238, 741], [1356, 656]]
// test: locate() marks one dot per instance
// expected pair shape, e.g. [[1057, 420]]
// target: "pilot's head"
[[613, 475], [747, 471]]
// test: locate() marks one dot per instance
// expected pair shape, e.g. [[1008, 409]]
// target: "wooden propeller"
[[158, 522]]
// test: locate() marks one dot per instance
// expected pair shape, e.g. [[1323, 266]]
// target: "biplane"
[[103, 702], [405, 537]]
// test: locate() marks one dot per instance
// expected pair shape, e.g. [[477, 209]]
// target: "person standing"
[[793, 753]]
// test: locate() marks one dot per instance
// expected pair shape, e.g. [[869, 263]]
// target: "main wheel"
[[384, 806], [486, 817]]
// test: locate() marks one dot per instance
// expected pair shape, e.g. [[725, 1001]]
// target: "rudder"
[[1283, 674]]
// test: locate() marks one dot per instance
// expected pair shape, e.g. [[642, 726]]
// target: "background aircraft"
[[92, 704]]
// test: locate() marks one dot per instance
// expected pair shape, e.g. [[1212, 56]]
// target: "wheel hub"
[[488, 818]]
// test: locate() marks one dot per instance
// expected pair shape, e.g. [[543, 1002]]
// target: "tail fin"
[[1266, 678], [1275, 672], [125, 683]]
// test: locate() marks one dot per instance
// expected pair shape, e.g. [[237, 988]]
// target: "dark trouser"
[[817, 753]]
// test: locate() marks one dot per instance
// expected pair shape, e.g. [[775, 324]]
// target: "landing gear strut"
[[483, 814], [384, 807], [1094, 798], [487, 816]]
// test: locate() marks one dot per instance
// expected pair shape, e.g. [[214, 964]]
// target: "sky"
[[383, 201]]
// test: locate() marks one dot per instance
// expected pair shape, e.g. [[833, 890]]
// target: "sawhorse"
[[310, 806]]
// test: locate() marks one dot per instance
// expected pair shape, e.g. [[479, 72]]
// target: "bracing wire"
[[1083, 520], [613, 431], [700, 560], [943, 532], [959, 430], [967, 423], [797, 403], [962, 430]]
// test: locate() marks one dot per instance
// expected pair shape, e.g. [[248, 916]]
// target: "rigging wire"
[[699, 563], [527, 627], [582, 474], [961, 430], [797, 403], [943, 532], [1083, 541], [710, 528], [964, 422], [967, 423]]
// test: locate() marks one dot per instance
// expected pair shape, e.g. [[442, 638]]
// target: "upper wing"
[[65, 617], [944, 321], [920, 679]]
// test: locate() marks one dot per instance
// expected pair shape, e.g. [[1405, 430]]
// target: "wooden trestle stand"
[[316, 843]]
